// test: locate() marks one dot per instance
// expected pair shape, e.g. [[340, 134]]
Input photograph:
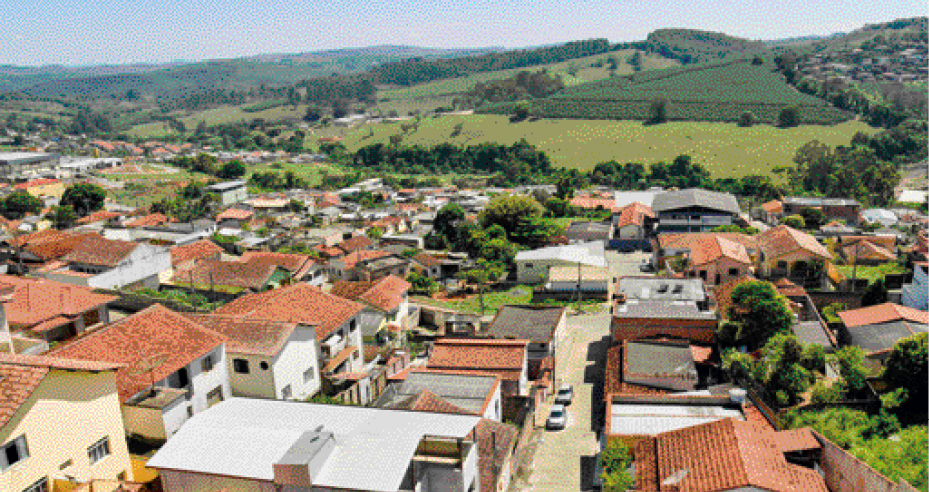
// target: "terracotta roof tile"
[[781, 240], [153, 344], [792, 440], [866, 250], [213, 273], [594, 203], [37, 300], [687, 240], [882, 313], [506, 358], [386, 293], [100, 216], [53, 247], [17, 382], [202, 249], [427, 401], [495, 440], [773, 207], [635, 214], [100, 251], [296, 264], [723, 293], [234, 214], [351, 259], [789, 289], [149, 220], [298, 303], [247, 335], [613, 382], [709, 249], [427, 260]]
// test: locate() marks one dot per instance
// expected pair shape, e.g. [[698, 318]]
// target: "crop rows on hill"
[[719, 91]]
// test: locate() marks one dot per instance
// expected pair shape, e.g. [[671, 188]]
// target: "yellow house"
[[787, 252], [60, 424], [43, 188]]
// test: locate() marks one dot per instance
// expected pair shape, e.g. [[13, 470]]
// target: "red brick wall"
[[691, 329]]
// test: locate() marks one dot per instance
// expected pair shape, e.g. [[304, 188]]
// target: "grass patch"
[[724, 148], [871, 272], [493, 300]]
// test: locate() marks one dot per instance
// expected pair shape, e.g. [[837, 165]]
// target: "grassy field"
[[428, 96], [719, 91], [724, 148], [871, 272], [492, 300], [218, 116]]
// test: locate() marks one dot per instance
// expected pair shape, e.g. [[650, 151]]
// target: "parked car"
[[558, 417], [646, 268], [565, 394]]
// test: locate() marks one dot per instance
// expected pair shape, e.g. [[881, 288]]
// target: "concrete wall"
[[146, 422], [183, 481], [494, 410], [298, 355], [258, 383], [708, 272], [66, 414]]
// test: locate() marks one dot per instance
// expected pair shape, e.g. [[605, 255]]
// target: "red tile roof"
[[36, 182], [495, 440], [100, 216], [247, 335], [354, 244], [296, 264], [214, 273], [427, 401], [793, 440], [149, 220], [866, 250], [789, 289], [635, 214], [202, 249], [39, 300], [725, 455], [773, 207], [234, 214], [427, 260], [882, 313], [386, 293], [100, 251], [54, 246], [351, 259], [712, 248], [613, 382], [723, 293], [781, 240], [20, 375], [153, 344], [299, 303], [594, 203], [503, 357], [687, 240]]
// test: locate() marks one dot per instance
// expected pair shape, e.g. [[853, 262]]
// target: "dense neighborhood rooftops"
[[882, 313], [297, 303], [198, 250], [781, 240], [245, 437], [534, 323], [591, 253], [34, 301], [696, 197], [153, 344]]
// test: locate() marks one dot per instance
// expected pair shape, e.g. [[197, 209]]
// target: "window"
[[13, 452], [782, 264], [703, 274], [263, 365], [733, 272], [206, 364], [351, 326], [309, 374], [286, 392], [100, 450], [40, 486], [240, 366], [190, 412], [529, 266]]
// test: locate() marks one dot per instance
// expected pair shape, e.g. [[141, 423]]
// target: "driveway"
[[564, 459], [626, 264]]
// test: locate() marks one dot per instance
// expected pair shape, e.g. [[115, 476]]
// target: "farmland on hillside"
[[725, 149], [719, 91]]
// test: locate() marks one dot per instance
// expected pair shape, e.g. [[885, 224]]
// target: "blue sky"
[[72, 32]]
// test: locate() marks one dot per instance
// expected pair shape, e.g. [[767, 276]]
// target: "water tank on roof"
[[737, 395]]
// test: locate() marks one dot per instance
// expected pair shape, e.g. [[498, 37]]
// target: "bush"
[[828, 394], [746, 119], [615, 461], [795, 221]]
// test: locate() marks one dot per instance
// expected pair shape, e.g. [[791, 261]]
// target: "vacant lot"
[[724, 148]]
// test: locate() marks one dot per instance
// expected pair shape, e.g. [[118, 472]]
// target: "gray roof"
[[814, 201], [243, 437], [468, 392], [812, 332], [654, 418], [535, 323], [696, 197], [228, 185], [662, 310], [658, 357], [662, 288], [591, 253], [883, 336]]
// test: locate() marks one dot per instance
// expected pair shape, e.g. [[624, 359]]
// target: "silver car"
[[565, 394], [558, 417]]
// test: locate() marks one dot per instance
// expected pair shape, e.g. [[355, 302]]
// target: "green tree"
[[375, 233], [20, 204], [813, 218], [908, 368], [794, 221], [84, 198], [850, 360], [746, 119], [448, 221], [789, 117], [759, 311], [521, 111], [62, 217], [231, 170], [509, 210], [875, 294], [615, 460], [658, 112]]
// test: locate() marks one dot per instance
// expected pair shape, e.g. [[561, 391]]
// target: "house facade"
[[111, 264], [694, 210], [60, 420], [916, 294]]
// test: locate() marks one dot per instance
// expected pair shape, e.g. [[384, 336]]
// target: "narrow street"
[[564, 459]]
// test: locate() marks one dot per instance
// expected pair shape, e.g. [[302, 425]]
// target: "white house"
[[111, 264], [533, 266], [265, 445], [267, 359], [229, 192], [185, 361]]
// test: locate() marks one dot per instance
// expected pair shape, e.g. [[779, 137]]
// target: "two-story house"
[[844, 209], [544, 326], [508, 359], [267, 358], [60, 424], [172, 368], [112, 264], [694, 210], [387, 297], [229, 192], [338, 331]]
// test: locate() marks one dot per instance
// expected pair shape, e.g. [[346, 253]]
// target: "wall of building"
[[258, 383], [494, 410], [183, 481], [204, 382], [65, 415], [697, 330], [298, 355], [720, 267], [146, 422]]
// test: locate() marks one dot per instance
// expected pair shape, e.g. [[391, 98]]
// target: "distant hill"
[[913, 27], [714, 91], [694, 46], [175, 79]]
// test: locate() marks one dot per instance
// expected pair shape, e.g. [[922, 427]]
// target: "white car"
[[565, 394], [558, 417]]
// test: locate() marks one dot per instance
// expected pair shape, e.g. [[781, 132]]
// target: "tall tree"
[[84, 198]]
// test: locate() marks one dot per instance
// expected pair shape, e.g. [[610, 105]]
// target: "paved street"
[[564, 459]]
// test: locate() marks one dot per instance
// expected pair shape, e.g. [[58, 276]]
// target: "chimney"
[[304, 458]]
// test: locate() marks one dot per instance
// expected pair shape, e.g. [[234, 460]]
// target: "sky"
[[78, 32]]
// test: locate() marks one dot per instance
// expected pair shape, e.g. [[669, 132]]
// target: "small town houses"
[[271, 348]]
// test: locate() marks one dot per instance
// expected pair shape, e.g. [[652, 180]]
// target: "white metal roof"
[[591, 254], [244, 437], [654, 419]]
